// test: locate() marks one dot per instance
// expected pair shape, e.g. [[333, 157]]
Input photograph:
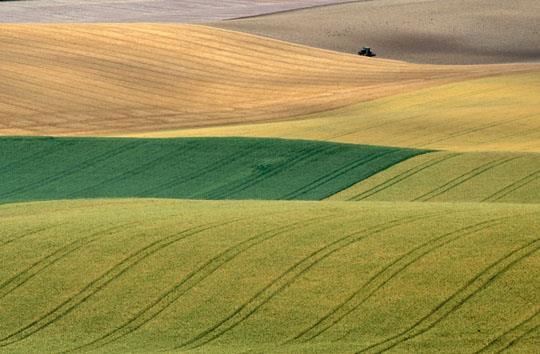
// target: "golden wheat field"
[[117, 79]]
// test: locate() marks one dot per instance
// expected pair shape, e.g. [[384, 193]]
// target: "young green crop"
[[205, 168], [291, 277]]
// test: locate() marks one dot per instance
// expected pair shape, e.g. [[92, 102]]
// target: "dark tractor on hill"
[[366, 52]]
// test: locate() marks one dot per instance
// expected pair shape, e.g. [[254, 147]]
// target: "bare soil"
[[184, 11], [421, 31]]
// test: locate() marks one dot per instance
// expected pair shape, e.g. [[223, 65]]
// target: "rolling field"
[[454, 177], [188, 188], [114, 79], [490, 114], [207, 168], [290, 277], [437, 32], [184, 11]]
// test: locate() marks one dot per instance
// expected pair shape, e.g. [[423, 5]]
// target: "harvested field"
[[120, 79], [437, 32], [73, 168], [215, 277], [57, 11], [455, 177], [491, 114]]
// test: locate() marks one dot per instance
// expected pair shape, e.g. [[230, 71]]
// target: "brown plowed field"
[[437, 32], [55, 11]]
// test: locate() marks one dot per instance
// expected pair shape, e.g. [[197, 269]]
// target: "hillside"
[[421, 31], [149, 275], [182, 11], [76, 79], [211, 168], [490, 114], [454, 177]]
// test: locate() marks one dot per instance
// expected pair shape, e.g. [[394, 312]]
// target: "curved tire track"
[[474, 286], [512, 335], [25, 275], [464, 178], [401, 177], [29, 233], [280, 283], [101, 282], [384, 276], [513, 187], [188, 282]]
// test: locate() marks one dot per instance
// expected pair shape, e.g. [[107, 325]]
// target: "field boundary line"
[[336, 173], [401, 177]]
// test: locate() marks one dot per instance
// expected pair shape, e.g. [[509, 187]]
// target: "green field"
[[207, 168], [296, 277], [454, 177]]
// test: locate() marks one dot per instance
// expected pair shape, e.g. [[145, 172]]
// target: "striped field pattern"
[[455, 177], [215, 276], [491, 114], [101, 79], [196, 168]]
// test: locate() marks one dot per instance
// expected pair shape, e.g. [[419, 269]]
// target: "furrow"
[[474, 286]]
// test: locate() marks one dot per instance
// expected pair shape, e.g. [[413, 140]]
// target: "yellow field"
[[454, 177], [490, 114], [117, 79]]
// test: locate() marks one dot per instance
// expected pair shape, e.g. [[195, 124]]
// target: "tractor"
[[366, 52]]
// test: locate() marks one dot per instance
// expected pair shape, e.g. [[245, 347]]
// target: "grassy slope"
[[149, 275], [206, 168], [455, 177], [490, 114], [118, 79]]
